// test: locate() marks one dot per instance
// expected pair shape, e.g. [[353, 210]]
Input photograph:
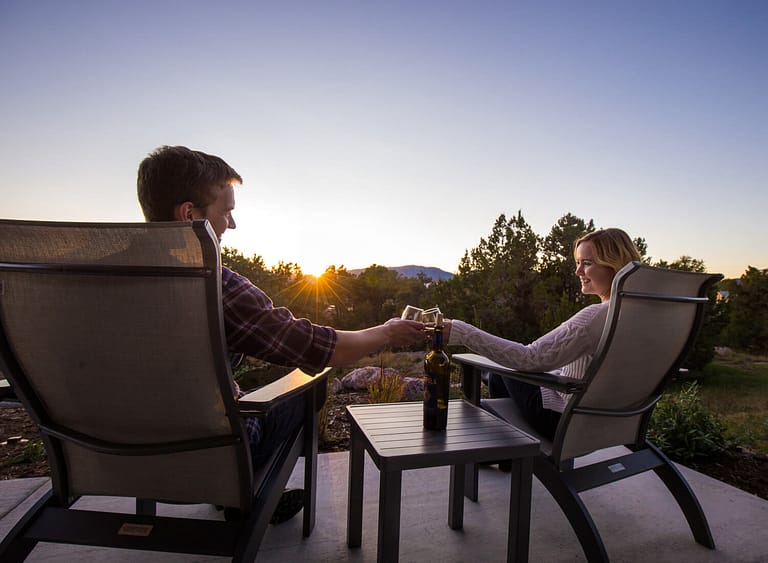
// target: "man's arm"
[[356, 344]]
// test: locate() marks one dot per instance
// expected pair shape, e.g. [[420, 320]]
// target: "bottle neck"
[[437, 339]]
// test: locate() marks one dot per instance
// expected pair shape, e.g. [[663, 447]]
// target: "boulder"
[[359, 379], [414, 389], [336, 386]]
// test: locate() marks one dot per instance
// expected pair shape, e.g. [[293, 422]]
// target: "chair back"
[[653, 319], [112, 337]]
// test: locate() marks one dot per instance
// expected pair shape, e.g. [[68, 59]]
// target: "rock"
[[414, 389], [336, 386], [359, 379]]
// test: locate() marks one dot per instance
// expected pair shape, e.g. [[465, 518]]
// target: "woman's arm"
[[576, 337]]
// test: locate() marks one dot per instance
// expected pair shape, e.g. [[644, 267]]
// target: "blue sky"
[[397, 132]]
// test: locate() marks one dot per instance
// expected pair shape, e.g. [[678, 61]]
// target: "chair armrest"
[[542, 379], [292, 384]]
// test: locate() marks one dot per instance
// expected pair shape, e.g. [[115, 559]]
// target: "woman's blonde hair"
[[613, 248]]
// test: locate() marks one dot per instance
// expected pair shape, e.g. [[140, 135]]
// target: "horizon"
[[374, 133]]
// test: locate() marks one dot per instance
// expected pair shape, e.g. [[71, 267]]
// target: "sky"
[[397, 132]]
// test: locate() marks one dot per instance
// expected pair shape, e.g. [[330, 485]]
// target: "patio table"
[[394, 437]]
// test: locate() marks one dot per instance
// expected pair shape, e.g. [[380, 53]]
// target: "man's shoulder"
[[230, 276], [236, 287], [232, 282], [226, 273]]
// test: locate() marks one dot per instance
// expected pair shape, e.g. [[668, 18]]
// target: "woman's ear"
[[183, 211]]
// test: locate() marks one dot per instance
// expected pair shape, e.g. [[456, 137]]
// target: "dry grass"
[[388, 388]]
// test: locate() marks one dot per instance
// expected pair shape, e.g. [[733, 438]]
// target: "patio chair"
[[652, 323], [112, 338]]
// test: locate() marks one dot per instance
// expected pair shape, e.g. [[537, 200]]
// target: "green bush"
[[33, 452], [684, 430]]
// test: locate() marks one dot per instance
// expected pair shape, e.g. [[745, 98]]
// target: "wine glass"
[[430, 315], [412, 313]]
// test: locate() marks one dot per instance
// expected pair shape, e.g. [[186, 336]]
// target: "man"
[[179, 184]]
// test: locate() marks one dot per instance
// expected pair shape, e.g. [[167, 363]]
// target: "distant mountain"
[[412, 271]]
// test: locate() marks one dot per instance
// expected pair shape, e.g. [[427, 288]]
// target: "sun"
[[315, 271]]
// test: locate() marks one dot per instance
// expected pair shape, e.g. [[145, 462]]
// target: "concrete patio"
[[638, 519]]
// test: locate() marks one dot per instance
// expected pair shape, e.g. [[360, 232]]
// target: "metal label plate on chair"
[[137, 530]]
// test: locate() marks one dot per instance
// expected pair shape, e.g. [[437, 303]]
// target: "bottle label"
[[432, 398], [430, 393]]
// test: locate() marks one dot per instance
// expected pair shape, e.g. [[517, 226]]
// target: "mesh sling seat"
[[652, 322], [112, 338]]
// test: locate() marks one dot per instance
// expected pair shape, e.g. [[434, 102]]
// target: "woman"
[[568, 348]]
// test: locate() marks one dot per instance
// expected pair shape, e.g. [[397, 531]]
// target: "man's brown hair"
[[170, 176]]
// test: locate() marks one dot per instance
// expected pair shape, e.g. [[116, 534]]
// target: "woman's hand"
[[446, 330], [430, 327]]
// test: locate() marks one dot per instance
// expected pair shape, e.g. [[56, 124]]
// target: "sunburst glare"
[[320, 293]]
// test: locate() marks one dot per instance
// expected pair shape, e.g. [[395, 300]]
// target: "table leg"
[[390, 485], [355, 492], [471, 481], [520, 509], [456, 497]]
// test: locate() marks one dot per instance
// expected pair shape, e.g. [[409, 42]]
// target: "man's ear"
[[183, 211]]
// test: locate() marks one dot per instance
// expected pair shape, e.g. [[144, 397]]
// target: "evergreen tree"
[[748, 307], [374, 295], [497, 279], [703, 350], [558, 294]]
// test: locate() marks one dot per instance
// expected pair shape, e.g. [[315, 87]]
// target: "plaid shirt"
[[254, 326]]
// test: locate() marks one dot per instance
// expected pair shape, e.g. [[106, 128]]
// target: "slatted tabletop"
[[398, 441]]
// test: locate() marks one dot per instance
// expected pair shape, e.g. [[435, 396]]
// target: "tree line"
[[514, 283]]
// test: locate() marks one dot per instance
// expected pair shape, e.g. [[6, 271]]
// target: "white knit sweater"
[[566, 350]]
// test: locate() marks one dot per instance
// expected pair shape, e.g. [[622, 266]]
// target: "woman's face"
[[595, 279]]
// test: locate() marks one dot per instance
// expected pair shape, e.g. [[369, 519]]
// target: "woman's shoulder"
[[591, 313]]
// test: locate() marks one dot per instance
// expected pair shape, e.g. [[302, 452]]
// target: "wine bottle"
[[437, 377]]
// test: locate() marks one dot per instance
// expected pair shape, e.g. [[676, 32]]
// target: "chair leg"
[[310, 447], [267, 498], [573, 508], [685, 498]]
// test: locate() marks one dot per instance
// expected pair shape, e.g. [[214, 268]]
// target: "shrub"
[[33, 452], [388, 388], [684, 430]]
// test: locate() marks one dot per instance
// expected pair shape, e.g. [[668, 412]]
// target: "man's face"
[[219, 212]]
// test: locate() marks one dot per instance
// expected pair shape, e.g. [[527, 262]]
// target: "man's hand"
[[404, 332], [355, 344]]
